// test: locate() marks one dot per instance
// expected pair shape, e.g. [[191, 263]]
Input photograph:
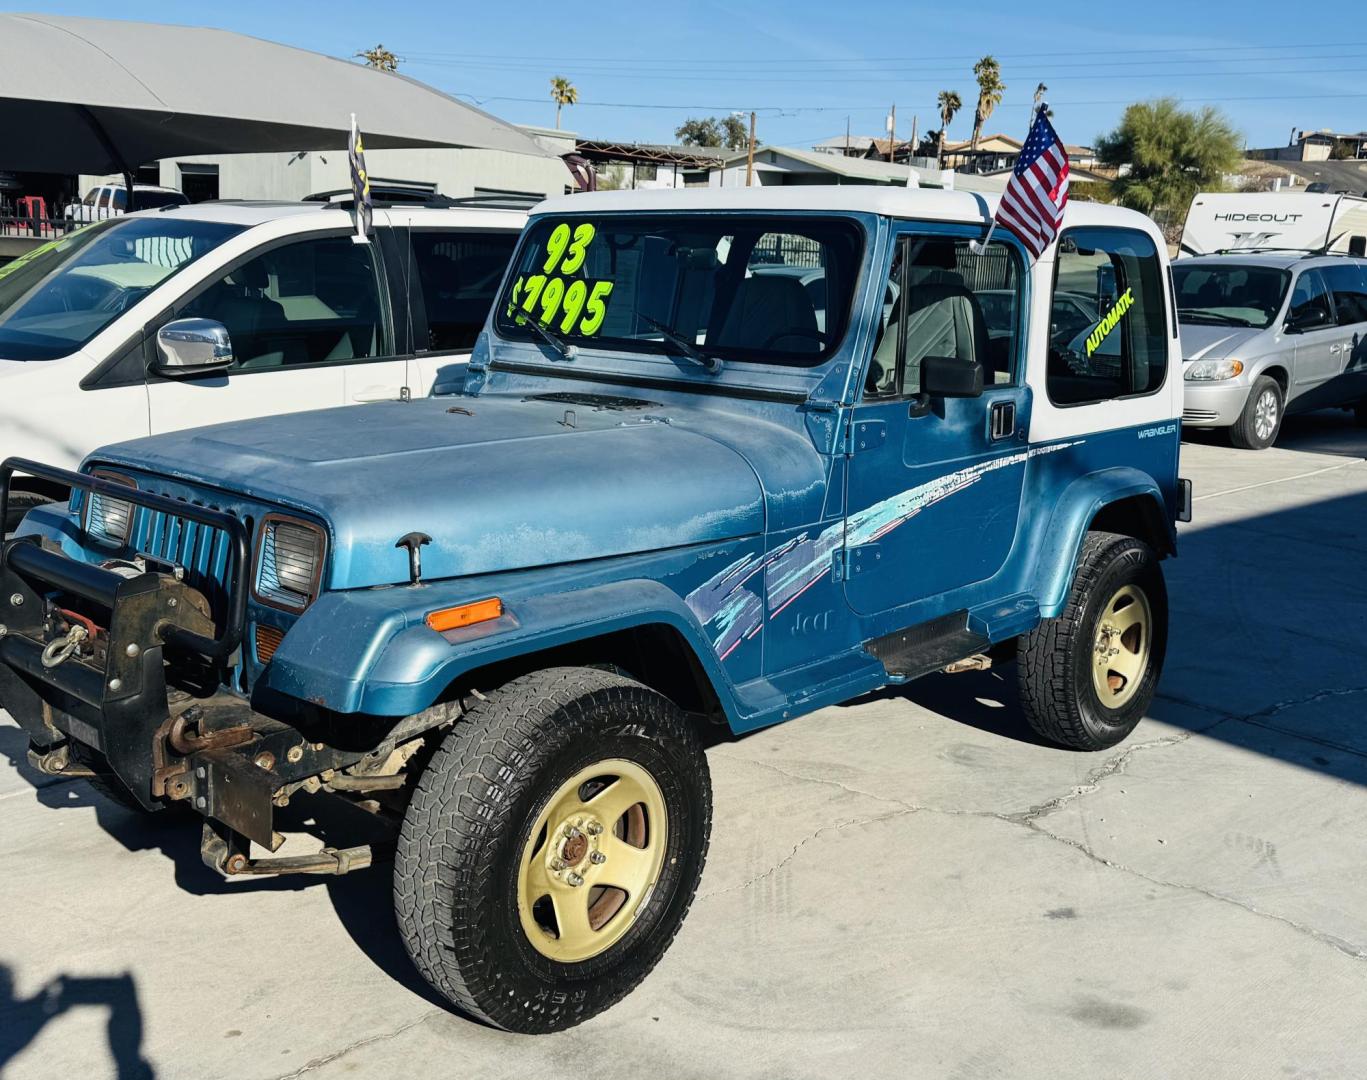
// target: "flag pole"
[[979, 246]]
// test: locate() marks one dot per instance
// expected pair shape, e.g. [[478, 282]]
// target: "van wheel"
[[1087, 677], [1258, 424], [552, 848], [20, 503]]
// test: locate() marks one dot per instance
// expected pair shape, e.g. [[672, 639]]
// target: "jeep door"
[[1318, 339], [299, 311], [934, 481]]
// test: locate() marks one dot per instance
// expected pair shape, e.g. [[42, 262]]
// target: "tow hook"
[[60, 650]]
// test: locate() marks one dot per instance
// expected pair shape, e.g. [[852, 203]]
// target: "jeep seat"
[[770, 312], [943, 318]]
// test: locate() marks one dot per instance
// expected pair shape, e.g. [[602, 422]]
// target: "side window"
[[102, 200], [312, 302], [118, 199], [459, 273], [1348, 283], [1310, 308], [1108, 317], [943, 299]]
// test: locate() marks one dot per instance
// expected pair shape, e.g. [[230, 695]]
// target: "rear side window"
[[459, 273], [1348, 283], [1112, 278]]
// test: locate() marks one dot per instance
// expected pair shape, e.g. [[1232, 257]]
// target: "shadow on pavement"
[[23, 1019], [1328, 431]]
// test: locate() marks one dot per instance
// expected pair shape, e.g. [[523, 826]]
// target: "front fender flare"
[[1060, 540], [370, 651]]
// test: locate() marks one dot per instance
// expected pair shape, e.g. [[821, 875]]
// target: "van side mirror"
[[1307, 319], [946, 376], [188, 347]]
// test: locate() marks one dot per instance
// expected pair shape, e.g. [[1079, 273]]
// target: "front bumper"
[[107, 701], [1213, 404]]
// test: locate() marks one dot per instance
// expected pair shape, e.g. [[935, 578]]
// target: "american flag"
[[1032, 205]]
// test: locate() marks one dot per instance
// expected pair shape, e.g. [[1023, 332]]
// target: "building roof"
[[839, 142], [866, 169], [697, 157], [987, 144], [891, 201], [252, 213]]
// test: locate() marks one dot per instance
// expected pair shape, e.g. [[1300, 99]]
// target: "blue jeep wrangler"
[[723, 458]]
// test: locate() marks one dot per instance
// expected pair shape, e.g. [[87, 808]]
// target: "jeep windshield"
[[1229, 295], [702, 287], [59, 296]]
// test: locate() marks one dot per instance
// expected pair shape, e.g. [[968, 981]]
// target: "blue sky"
[[643, 67]]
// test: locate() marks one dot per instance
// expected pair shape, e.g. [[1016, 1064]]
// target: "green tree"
[[735, 133], [563, 93], [1170, 153], [990, 90], [379, 58], [728, 131], [950, 103]]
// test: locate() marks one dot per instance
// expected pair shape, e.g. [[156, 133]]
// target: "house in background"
[[846, 145], [997, 152], [787, 166], [1321, 145]]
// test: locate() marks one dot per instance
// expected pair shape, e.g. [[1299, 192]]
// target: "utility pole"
[[847, 136], [915, 123], [892, 130], [750, 157]]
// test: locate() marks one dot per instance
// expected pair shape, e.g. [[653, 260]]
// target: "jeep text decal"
[[566, 249], [1109, 321]]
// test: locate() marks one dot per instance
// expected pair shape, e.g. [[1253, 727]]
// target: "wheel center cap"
[[574, 848]]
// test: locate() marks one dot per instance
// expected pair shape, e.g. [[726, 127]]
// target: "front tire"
[[1258, 424], [1087, 677], [552, 848]]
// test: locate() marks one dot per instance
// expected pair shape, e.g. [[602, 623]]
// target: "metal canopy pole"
[[109, 148]]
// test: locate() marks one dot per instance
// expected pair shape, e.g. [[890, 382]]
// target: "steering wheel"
[[815, 335]]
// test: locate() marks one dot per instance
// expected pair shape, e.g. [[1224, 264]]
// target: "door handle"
[[1002, 421]]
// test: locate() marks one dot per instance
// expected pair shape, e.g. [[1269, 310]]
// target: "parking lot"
[[909, 885]]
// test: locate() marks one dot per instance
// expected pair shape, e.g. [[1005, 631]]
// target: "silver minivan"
[[1264, 334]]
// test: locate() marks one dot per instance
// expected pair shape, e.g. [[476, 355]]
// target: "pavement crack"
[[839, 826], [1334, 942], [369, 1040], [830, 783]]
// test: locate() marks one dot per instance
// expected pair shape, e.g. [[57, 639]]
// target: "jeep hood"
[[1202, 342], [498, 483]]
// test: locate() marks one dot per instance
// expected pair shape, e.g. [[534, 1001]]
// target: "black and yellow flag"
[[360, 184]]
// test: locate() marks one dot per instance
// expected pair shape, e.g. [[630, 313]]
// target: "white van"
[[110, 200], [1275, 221], [195, 315]]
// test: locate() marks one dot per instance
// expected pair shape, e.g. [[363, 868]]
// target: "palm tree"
[[950, 103], [990, 89], [562, 93]]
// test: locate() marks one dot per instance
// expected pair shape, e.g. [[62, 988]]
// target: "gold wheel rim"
[[1120, 653], [591, 859]]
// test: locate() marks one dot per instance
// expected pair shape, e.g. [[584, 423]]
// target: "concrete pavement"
[[908, 885]]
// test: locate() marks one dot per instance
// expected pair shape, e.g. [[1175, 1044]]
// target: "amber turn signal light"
[[453, 618]]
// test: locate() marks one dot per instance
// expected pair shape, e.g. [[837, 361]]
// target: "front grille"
[[1192, 416], [203, 551]]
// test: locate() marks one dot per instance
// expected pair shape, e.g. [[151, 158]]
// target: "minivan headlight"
[[1213, 370], [108, 519], [289, 562]]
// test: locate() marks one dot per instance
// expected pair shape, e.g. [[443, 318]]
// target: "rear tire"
[[1258, 424], [1087, 677], [503, 838], [20, 503]]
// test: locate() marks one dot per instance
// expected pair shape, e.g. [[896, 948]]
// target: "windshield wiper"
[[1201, 313], [710, 364], [555, 341]]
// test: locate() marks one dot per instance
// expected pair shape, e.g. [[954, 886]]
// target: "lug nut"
[[598, 858], [571, 832], [574, 879], [593, 828], [557, 865]]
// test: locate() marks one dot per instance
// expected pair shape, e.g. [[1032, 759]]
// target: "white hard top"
[[930, 204], [251, 214]]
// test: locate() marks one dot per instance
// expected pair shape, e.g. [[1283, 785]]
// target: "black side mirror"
[[1307, 319], [946, 376]]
